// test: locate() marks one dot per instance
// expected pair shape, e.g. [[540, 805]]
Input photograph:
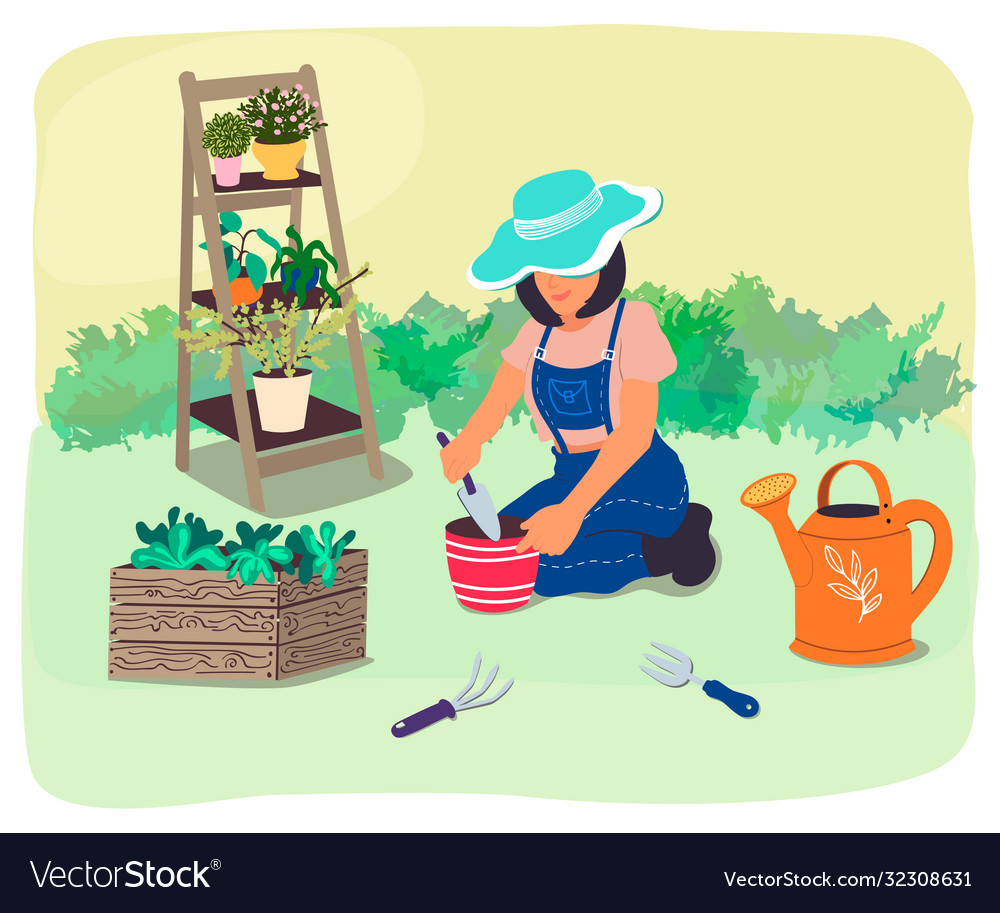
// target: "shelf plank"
[[323, 419], [252, 181], [272, 290]]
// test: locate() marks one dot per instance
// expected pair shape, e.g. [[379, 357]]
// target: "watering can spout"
[[769, 497]]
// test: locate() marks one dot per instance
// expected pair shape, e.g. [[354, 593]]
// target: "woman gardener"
[[588, 364]]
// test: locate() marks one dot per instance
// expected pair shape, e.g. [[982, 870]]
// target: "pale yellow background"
[[834, 167]]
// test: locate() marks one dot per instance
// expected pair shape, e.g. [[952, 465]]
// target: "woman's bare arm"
[[462, 454], [628, 442], [552, 529]]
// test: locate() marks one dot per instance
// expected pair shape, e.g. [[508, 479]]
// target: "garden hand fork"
[[462, 701], [678, 673]]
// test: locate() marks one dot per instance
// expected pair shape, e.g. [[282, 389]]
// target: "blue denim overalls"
[[650, 498]]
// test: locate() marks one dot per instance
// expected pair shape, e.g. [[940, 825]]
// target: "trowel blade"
[[480, 507]]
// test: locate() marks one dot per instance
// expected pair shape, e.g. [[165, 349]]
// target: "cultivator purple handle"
[[424, 718]]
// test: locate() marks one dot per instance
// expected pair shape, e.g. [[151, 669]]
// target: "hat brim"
[[579, 251]]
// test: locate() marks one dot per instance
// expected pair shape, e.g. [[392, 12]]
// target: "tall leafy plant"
[[240, 258]]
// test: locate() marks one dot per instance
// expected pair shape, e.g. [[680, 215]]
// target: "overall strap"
[[540, 348], [541, 400], [606, 358], [609, 352]]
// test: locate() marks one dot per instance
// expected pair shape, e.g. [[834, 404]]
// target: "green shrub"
[[122, 385], [741, 363]]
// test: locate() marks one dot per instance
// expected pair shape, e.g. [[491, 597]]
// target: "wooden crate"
[[198, 624]]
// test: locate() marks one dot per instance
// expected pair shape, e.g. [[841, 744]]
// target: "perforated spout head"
[[769, 497]]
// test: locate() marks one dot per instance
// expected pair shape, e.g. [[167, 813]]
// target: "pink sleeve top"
[[641, 353]]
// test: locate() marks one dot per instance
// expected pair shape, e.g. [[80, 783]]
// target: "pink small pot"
[[227, 171], [489, 576]]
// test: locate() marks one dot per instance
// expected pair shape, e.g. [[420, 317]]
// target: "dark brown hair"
[[609, 287]]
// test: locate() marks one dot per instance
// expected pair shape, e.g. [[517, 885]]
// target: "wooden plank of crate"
[[352, 571], [333, 612], [152, 586], [206, 661], [193, 624], [321, 652]]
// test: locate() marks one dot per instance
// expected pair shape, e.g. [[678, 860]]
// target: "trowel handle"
[[741, 704], [444, 442], [423, 718]]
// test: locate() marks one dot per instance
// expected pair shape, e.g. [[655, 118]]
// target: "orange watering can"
[[852, 568]]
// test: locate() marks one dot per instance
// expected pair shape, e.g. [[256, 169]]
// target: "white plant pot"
[[282, 401]]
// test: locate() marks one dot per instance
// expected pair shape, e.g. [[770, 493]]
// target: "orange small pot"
[[242, 291]]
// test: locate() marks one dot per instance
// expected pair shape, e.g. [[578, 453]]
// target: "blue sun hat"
[[565, 224]]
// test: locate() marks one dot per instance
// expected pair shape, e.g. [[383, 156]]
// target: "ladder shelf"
[[331, 432]]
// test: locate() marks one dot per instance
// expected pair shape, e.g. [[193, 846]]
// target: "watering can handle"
[[881, 485], [910, 511]]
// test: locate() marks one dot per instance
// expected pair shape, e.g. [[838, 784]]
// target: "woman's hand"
[[461, 456], [551, 530]]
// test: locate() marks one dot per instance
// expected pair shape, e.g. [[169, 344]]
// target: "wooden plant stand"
[[197, 624], [235, 414]]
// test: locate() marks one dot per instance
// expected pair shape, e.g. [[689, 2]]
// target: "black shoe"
[[687, 554]]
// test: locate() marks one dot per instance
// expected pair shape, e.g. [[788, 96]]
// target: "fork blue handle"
[[444, 442], [739, 703]]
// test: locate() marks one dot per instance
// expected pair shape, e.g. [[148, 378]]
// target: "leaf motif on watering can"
[[870, 606], [855, 589], [833, 559], [848, 592]]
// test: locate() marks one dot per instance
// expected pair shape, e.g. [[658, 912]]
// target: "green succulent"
[[319, 554], [255, 554], [179, 546], [302, 258], [227, 136]]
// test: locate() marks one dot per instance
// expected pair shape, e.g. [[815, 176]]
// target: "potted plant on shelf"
[[303, 270], [246, 271], [281, 121], [187, 608], [227, 138], [282, 384]]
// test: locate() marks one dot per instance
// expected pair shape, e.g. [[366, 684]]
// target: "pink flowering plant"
[[281, 116]]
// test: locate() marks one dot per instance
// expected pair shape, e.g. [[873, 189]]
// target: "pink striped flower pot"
[[489, 576]]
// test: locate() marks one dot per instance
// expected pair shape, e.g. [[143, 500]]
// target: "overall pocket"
[[569, 397]]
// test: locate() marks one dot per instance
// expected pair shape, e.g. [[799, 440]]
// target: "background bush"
[[741, 363]]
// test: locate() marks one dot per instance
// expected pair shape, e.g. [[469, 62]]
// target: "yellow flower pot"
[[279, 160]]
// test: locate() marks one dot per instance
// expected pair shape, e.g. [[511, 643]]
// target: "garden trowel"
[[477, 501]]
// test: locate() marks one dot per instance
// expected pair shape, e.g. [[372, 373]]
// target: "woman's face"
[[566, 294]]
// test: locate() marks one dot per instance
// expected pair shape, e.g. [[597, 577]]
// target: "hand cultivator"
[[462, 701]]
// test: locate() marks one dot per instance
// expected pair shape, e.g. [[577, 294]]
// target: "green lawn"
[[581, 722]]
